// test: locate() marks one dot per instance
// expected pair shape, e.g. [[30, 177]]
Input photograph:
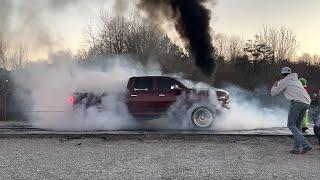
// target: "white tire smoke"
[[46, 88]]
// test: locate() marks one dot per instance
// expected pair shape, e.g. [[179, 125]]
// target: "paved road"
[[156, 157], [24, 129]]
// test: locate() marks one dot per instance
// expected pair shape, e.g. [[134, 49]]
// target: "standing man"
[[300, 100]]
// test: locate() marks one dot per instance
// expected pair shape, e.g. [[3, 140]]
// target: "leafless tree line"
[[228, 47], [239, 59], [254, 62], [2, 55], [118, 35], [12, 58], [142, 41], [281, 40], [132, 36], [308, 58]]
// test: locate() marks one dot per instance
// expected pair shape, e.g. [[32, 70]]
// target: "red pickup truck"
[[154, 95]]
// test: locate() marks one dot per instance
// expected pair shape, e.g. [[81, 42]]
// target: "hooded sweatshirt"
[[292, 89]]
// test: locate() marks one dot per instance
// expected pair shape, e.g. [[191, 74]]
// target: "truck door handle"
[[144, 89], [162, 95], [134, 95]]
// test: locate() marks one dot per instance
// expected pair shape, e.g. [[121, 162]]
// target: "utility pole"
[[5, 106], [4, 89]]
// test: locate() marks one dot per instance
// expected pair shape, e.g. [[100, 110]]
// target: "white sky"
[[246, 17], [232, 17]]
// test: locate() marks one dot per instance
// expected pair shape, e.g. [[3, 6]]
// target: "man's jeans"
[[295, 117], [317, 132]]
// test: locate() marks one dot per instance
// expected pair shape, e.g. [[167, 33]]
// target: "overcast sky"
[[65, 24], [246, 17]]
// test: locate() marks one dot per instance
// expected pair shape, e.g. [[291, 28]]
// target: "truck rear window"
[[143, 84]]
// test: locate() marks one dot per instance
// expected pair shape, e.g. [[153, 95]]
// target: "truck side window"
[[164, 84], [143, 84]]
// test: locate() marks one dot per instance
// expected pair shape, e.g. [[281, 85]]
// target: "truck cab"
[[152, 95]]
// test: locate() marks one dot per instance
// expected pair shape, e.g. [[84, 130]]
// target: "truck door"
[[142, 96], [166, 96]]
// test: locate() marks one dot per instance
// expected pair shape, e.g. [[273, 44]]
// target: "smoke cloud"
[[121, 6], [192, 21], [250, 112], [23, 18], [41, 25], [45, 89]]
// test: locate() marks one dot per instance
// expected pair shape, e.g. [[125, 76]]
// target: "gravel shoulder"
[[156, 157]]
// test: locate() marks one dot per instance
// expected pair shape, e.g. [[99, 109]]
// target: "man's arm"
[[277, 88]]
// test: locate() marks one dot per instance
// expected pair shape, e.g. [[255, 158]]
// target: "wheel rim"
[[202, 117]]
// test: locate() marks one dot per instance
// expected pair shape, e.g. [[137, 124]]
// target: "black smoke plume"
[[192, 23]]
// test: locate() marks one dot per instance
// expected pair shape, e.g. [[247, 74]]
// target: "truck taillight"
[[71, 100]]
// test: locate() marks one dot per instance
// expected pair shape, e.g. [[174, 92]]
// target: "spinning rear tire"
[[202, 117]]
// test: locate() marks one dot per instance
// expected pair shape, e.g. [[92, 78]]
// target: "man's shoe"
[[304, 129], [305, 150]]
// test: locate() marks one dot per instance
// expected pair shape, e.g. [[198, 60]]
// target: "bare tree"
[[228, 47], [168, 47], [91, 45], [316, 59], [105, 39], [118, 35], [220, 43], [112, 34], [143, 38], [282, 40], [3, 59], [309, 59], [235, 47], [16, 57]]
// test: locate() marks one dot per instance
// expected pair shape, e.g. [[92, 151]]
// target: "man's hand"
[[276, 83]]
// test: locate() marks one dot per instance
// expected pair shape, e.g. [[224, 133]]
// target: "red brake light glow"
[[71, 100]]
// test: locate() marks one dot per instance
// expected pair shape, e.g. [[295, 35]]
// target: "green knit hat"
[[303, 81]]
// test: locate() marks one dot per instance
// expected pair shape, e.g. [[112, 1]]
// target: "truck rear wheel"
[[202, 117]]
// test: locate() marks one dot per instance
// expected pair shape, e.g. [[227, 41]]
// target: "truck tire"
[[202, 117]]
